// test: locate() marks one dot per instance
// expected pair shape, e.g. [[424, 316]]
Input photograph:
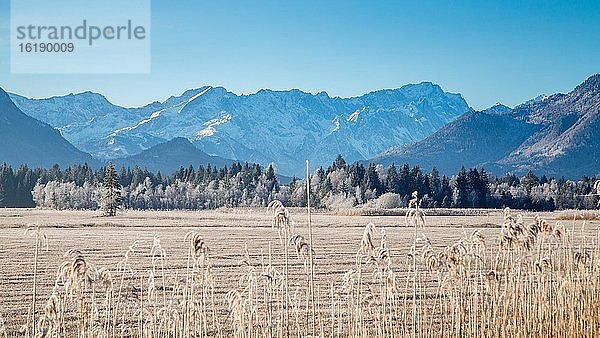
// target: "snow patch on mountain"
[[194, 97], [354, 116], [336, 124], [152, 116], [210, 125], [199, 94], [537, 99]]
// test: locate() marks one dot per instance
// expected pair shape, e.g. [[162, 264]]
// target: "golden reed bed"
[[248, 274]]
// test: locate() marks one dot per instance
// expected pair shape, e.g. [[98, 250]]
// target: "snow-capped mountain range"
[[556, 135], [280, 127]]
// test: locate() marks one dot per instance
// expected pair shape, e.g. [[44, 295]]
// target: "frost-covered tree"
[[111, 197], [341, 185], [65, 195]]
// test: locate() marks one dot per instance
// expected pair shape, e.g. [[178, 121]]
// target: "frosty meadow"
[[246, 273]]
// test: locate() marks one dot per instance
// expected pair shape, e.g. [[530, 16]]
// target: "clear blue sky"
[[507, 51]]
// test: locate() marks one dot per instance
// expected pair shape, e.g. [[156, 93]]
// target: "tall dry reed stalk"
[[310, 252], [41, 241]]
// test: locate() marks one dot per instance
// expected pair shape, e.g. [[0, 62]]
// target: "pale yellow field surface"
[[168, 293]]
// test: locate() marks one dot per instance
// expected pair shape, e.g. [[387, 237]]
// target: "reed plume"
[[198, 248], [281, 219]]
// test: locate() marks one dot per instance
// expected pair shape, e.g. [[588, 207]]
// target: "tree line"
[[340, 185]]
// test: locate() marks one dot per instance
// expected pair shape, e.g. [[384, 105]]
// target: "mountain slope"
[[569, 143], [555, 135], [25, 140], [284, 127], [474, 139], [169, 156]]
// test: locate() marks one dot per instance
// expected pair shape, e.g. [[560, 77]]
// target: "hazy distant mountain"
[[25, 140], [555, 135], [569, 140], [169, 156], [284, 127], [84, 119], [474, 139]]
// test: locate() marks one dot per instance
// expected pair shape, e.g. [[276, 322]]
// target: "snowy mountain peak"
[[200, 93], [498, 108], [591, 84], [422, 88], [86, 96], [537, 99], [185, 96], [284, 127]]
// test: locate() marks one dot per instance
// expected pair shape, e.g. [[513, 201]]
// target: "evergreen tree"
[[461, 189], [339, 163], [434, 183], [445, 192], [511, 179], [137, 177], [123, 177], [404, 186], [25, 181], [356, 173], [271, 180], [190, 174], [372, 181], [416, 180], [392, 183], [473, 182], [293, 183], [326, 188], [482, 189], [111, 199], [529, 181], [7, 186]]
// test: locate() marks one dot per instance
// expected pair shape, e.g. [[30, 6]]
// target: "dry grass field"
[[225, 273]]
